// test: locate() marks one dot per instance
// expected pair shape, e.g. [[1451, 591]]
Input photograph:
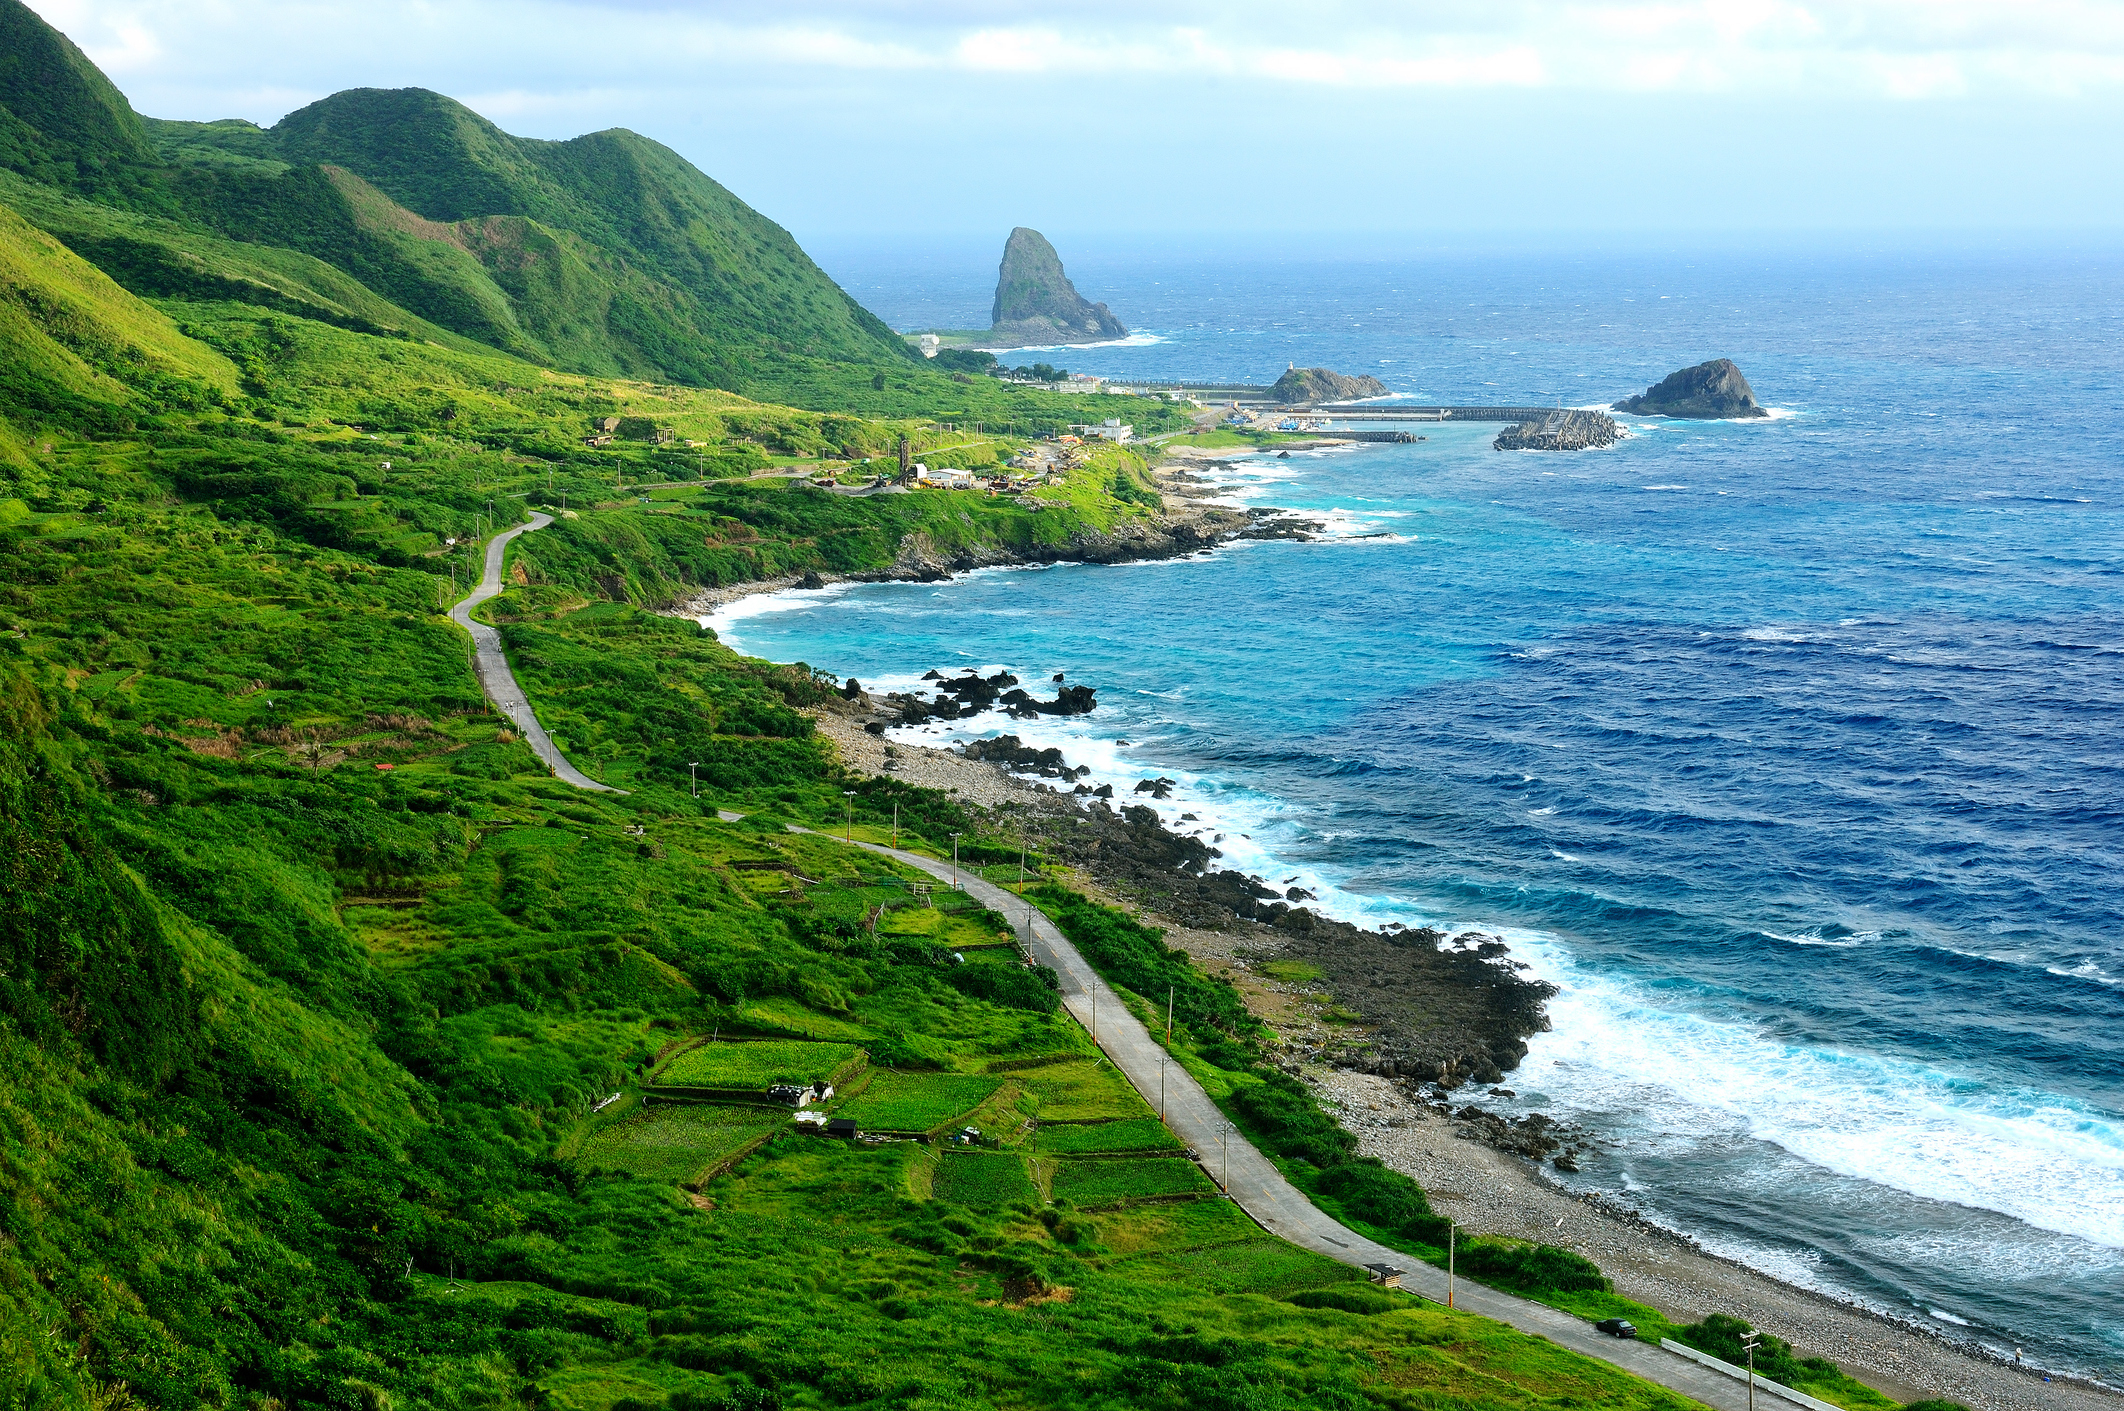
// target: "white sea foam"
[[1856, 938], [2051, 1162], [1542, 812], [2087, 970], [1133, 340]]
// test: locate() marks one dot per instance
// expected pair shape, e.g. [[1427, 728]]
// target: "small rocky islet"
[[1710, 391]]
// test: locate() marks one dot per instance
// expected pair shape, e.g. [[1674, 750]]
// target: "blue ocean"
[[1792, 750]]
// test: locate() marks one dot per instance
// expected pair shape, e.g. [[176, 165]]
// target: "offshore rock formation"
[[1317, 384], [1036, 304], [1712, 391]]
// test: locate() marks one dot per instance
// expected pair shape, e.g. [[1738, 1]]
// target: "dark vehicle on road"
[[1617, 1327]]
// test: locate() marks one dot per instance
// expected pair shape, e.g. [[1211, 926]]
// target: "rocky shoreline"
[[1179, 530], [1402, 1034], [1400, 1030]]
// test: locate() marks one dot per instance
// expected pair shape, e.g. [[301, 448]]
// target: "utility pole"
[[1749, 1342], [693, 772], [896, 824], [849, 794], [1168, 1016], [1452, 1230], [955, 862]]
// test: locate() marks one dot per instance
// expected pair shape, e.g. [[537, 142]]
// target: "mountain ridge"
[[607, 254]]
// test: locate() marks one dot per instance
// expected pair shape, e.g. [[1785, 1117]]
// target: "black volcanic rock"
[[1712, 391], [1317, 384], [1036, 303]]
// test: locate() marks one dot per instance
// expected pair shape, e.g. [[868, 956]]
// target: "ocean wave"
[[2051, 1162], [1850, 942], [2086, 970]]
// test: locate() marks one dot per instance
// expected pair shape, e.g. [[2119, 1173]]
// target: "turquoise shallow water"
[[1791, 749]]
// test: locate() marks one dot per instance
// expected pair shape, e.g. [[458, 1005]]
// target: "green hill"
[[607, 254], [327, 1016], [61, 120], [81, 350]]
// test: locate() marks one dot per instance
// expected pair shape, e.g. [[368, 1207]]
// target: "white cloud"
[[1882, 49]]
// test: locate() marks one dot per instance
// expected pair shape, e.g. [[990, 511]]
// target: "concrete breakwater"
[[1560, 431]]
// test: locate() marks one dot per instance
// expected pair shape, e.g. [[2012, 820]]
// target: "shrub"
[[1037, 988], [1371, 1192], [1350, 1298], [1533, 1268]]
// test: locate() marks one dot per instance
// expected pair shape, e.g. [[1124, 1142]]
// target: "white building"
[[929, 343], [1112, 429]]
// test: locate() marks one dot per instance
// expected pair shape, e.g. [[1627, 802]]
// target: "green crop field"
[[1084, 1090], [1262, 1265], [781, 1014], [758, 1064], [1106, 1182], [916, 1102], [988, 1179], [677, 1142], [1173, 1226], [1127, 1134]]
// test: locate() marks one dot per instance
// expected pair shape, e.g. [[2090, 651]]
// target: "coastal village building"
[[1112, 429]]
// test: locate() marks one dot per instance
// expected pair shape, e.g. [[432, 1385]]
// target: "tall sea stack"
[[1036, 303]]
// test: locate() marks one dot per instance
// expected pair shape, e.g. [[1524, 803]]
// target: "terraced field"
[[1082, 1090], [1129, 1134], [917, 1102], [1265, 1265], [988, 1180], [677, 1143], [758, 1065], [1114, 1181]]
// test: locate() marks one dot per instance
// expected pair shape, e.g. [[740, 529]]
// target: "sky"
[[1395, 128]]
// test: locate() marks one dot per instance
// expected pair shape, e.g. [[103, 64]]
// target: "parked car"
[[1617, 1327]]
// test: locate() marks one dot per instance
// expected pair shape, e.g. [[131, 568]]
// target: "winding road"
[[1250, 1178], [494, 675], [1261, 1190]]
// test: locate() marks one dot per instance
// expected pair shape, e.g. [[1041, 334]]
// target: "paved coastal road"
[[494, 674], [1261, 1190]]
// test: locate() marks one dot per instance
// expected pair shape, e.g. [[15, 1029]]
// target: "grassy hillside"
[[314, 985], [83, 350], [61, 121]]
